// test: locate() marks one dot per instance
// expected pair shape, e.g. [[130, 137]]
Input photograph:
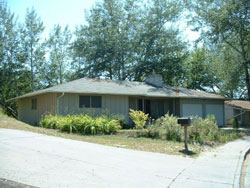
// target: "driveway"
[[47, 161]]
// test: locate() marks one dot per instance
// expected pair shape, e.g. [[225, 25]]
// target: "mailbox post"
[[186, 122]]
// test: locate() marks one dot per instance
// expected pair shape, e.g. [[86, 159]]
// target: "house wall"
[[46, 103], [243, 118], [69, 104], [203, 107], [246, 119], [156, 109], [229, 114]]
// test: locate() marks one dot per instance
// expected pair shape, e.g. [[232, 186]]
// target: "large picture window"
[[90, 102]]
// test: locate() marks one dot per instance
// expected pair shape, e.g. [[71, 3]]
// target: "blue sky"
[[66, 12], [51, 12]]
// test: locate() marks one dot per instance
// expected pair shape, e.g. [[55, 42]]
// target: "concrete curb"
[[238, 172]]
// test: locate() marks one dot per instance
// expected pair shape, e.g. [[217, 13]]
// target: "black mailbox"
[[184, 121]]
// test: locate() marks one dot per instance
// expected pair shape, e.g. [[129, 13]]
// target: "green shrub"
[[139, 118], [170, 125], [120, 118], [65, 124], [112, 126], [235, 123], [50, 121], [83, 124], [204, 131]]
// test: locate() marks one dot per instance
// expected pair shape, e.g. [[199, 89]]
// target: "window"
[[96, 101], [84, 101], [33, 104], [90, 101]]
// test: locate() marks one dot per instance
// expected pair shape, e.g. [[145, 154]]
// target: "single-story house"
[[237, 109], [118, 97]]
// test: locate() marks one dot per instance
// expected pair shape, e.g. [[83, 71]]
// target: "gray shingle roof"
[[116, 87]]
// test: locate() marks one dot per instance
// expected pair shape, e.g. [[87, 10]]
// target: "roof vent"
[[154, 80]]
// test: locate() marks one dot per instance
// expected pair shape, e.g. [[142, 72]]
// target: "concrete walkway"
[[46, 161]]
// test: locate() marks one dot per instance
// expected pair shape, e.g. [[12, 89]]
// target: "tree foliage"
[[226, 22], [55, 70], [130, 39], [32, 30], [13, 75], [198, 71]]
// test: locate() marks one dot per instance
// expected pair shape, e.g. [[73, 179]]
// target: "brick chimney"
[[154, 80]]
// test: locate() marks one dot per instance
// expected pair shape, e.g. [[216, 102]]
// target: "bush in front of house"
[[202, 131], [119, 117], [83, 124], [50, 121], [170, 125], [235, 123], [139, 118]]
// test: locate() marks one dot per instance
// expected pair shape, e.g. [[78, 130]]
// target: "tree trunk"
[[31, 67], [247, 79], [110, 71]]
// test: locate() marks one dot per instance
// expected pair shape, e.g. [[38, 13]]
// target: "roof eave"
[[26, 96], [124, 94]]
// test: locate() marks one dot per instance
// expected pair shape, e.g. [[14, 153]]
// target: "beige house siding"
[[46, 103], [114, 104], [229, 114]]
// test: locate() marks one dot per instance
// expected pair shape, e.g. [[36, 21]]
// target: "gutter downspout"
[[57, 102]]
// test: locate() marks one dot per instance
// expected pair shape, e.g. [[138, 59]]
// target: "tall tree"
[[228, 71], [58, 49], [130, 39], [226, 21], [160, 48], [32, 31], [198, 71], [12, 70], [78, 59], [105, 42]]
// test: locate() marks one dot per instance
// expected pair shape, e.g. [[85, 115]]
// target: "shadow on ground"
[[188, 152]]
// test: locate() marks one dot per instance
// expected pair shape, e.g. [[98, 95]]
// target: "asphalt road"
[[46, 161]]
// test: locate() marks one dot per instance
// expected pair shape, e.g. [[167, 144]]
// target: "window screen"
[[33, 104], [84, 101], [96, 101]]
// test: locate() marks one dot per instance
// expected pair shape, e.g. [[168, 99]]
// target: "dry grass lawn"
[[118, 140]]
